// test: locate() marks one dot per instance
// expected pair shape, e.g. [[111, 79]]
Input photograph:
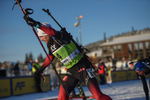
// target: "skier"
[[142, 68], [62, 47]]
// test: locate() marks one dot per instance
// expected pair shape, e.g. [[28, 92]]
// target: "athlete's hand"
[[30, 21]]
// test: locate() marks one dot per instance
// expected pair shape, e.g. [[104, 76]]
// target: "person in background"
[[131, 65], [35, 67], [114, 67], [30, 67], [16, 69], [124, 65], [102, 72], [109, 69], [3, 69], [142, 68]]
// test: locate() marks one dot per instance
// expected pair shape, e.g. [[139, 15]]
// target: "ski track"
[[126, 90]]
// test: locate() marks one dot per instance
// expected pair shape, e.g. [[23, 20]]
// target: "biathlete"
[[142, 68], [62, 47]]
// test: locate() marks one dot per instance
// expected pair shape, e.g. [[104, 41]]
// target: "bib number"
[[90, 73]]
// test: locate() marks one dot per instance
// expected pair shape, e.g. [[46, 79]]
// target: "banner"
[[119, 76], [132, 75], [27, 85], [5, 89]]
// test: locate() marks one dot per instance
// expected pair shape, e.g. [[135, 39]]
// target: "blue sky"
[[99, 16]]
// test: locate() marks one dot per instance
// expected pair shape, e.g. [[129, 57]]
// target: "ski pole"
[[47, 11], [24, 12]]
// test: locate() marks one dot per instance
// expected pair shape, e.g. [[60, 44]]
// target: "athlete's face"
[[45, 38]]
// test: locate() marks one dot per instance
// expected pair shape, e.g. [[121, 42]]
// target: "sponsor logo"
[[58, 56], [65, 61], [65, 78], [53, 48], [19, 86], [90, 73]]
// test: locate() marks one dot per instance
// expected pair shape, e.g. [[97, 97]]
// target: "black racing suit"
[[80, 71]]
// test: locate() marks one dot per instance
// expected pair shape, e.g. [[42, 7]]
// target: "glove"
[[30, 21]]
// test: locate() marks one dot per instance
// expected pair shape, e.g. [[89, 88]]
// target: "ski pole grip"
[[29, 11], [47, 11], [44, 10]]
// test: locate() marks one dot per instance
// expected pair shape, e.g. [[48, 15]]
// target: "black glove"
[[30, 21]]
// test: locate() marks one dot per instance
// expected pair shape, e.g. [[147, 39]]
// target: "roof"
[[97, 53], [128, 39]]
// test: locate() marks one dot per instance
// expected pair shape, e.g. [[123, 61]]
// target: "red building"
[[130, 47]]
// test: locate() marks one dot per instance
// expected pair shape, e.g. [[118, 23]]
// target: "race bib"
[[90, 73]]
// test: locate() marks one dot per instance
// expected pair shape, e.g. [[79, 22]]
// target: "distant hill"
[[96, 45]]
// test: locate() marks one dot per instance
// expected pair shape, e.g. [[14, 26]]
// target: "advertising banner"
[[25, 85], [119, 76], [5, 89]]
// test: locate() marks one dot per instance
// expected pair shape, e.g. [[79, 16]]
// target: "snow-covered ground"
[[126, 90]]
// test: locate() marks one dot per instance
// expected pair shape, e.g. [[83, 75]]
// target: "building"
[[129, 47]]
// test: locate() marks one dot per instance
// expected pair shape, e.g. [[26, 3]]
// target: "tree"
[[40, 58], [26, 59], [133, 30], [30, 56], [104, 37]]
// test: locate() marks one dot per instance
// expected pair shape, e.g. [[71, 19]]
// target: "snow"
[[126, 90]]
